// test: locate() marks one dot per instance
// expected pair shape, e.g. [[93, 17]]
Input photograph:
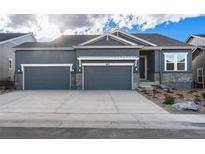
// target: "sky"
[[47, 27]]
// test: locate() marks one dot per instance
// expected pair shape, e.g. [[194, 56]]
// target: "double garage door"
[[94, 78], [107, 77], [47, 78]]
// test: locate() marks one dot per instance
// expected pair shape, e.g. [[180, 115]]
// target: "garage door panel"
[[107, 77], [47, 77]]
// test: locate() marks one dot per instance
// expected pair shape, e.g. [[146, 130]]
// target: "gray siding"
[[132, 40], [7, 51], [45, 57], [107, 52], [198, 62], [109, 42], [197, 41]]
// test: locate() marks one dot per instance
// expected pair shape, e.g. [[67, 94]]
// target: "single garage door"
[[46, 78], [107, 77]]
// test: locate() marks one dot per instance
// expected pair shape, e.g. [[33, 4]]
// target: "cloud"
[[48, 27], [19, 20]]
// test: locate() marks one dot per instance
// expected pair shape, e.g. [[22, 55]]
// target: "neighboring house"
[[7, 53], [198, 57], [116, 60]]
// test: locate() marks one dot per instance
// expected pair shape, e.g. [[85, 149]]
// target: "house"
[[7, 53], [115, 60], [198, 57]]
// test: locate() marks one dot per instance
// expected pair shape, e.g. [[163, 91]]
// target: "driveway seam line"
[[113, 102]]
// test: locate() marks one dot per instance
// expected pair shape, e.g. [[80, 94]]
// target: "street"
[[98, 133]]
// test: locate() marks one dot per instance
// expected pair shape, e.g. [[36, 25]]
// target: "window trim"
[[175, 61]]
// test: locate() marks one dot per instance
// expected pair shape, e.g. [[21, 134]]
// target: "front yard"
[[158, 96]]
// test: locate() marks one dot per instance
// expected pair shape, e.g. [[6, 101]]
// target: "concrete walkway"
[[90, 109]]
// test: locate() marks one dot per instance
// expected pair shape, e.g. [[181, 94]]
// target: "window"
[[10, 63], [175, 61], [200, 75]]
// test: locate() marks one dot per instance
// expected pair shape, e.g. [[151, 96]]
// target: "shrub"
[[203, 94], [168, 99], [174, 88], [197, 99]]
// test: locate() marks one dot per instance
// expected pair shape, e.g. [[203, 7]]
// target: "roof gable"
[[133, 38], [107, 37], [107, 42], [200, 36]]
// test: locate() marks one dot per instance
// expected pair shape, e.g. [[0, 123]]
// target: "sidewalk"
[[149, 121]]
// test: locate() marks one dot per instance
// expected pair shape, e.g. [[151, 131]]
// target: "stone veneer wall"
[[79, 81], [179, 80], [19, 81], [135, 80], [73, 80]]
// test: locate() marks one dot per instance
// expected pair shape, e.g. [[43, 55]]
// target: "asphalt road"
[[97, 133]]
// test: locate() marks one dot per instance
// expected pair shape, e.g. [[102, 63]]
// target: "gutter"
[[43, 48], [160, 66], [106, 47]]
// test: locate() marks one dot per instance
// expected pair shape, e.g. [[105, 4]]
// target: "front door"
[[143, 67]]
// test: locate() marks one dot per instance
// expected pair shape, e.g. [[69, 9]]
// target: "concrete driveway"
[[77, 102], [90, 109]]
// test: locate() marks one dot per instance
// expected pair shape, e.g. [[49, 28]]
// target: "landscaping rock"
[[164, 87], [186, 105]]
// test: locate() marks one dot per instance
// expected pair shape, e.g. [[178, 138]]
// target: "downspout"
[[160, 66]]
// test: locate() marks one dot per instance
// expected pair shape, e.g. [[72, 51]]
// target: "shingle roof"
[[8, 36], [72, 40], [160, 40]]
